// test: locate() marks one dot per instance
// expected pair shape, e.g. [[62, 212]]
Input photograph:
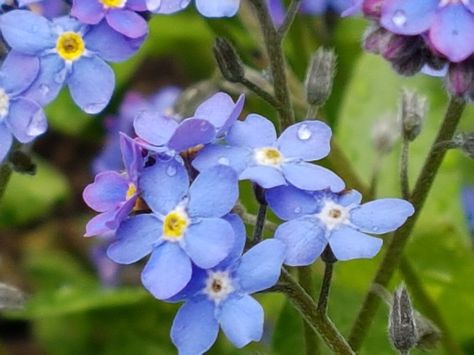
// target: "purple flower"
[[220, 297], [211, 121], [133, 103], [208, 8], [318, 219], [70, 53], [107, 270], [48, 8], [255, 153], [114, 194], [20, 117], [186, 225], [120, 15]]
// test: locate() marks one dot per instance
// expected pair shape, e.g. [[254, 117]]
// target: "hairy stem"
[[404, 181], [395, 249], [5, 173], [273, 44], [260, 224], [305, 278], [325, 287]]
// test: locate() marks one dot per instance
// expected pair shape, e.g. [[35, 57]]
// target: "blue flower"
[[162, 133], [114, 194], [208, 8], [318, 219], [70, 53], [221, 297], [20, 117], [186, 225], [255, 153], [467, 198], [121, 15], [133, 103]]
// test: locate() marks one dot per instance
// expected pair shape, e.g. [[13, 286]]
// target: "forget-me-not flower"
[[20, 117], [208, 8], [70, 53], [186, 225], [255, 153], [317, 219]]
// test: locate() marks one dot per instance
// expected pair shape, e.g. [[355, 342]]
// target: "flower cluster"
[[174, 203], [433, 36]]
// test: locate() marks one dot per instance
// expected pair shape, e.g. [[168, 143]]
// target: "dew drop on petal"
[[223, 161], [304, 133], [203, 126], [153, 5], [297, 210], [44, 89], [38, 124], [183, 4], [171, 171], [94, 108], [399, 18]]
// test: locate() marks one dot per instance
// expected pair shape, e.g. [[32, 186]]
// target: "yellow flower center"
[[70, 46], [132, 190], [268, 156], [113, 3], [175, 225]]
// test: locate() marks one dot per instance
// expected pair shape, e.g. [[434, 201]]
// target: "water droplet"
[[94, 107], [304, 133], [297, 210], [399, 18], [44, 89], [38, 124], [153, 4], [223, 161], [184, 3], [171, 171], [203, 126], [375, 229], [60, 76]]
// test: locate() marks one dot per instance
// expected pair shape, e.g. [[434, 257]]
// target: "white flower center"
[[268, 156], [333, 215], [4, 104], [218, 285]]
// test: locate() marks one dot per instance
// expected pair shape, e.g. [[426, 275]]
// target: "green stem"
[[320, 323], [5, 173], [325, 287], [273, 44], [404, 180], [395, 249], [260, 223], [427, 306], [305, 278]]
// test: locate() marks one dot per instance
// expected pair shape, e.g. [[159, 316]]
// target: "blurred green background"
[[42, 218]]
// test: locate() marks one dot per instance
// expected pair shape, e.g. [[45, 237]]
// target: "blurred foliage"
[[72, 313]]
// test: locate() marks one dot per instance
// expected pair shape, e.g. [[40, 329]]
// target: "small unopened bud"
[[402, 326], [384, 134], [412, 114], [465, 142], [460, 78], [228, 60], [320, 77]]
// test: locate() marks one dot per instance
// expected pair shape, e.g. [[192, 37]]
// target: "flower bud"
[[372, 8], [228, 60], [460, 78], [375, 39], [384, 134], [402, 326], [465, 142], [412, 114], [320, 77]]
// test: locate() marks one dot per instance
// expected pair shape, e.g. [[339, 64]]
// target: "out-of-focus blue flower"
[[318, 219], [114, 194], [161, 133], [70, 53], [47, 8], [133, 103], [467, 198], [255, 153], [221, 297], [120, 15], [208, 8], [20, 117], [186, 225], [107, 270]]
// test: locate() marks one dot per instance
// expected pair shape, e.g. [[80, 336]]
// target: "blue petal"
[[27, 32], [107, 191], [381, 216], [221, 8], [167, 272], [173, 184], [26, 120], [209, 241], [256, 131], [242, 320], [136, 238], [18, 72], [265, 176], [408, 17], [347, 243], [190, 133], [195, 328], [91, 84], [194, 288], [131, 156], [240, 237], [288, 202], [235, 157], [154, 128], [312, 177], [307, 140], [6, 141], [351, 197], [260, 267], [304, 238], [167, 6], [213, 193]]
